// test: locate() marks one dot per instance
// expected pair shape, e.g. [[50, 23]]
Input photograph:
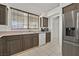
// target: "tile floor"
[[46, 50]]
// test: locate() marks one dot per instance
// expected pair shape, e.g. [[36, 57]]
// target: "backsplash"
[[4, 28], [24, 29]]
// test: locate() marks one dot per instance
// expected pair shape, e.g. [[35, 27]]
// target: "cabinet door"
[[27, 41], [45, 22], [3, 14], [35, 39], [48, 37], [2, 47], [41, 22], [14, 44]]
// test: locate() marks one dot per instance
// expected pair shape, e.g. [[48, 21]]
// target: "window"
[[33, 21], [19, 19]]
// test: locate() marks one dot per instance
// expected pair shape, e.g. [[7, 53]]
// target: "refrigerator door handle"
[[77, 23]]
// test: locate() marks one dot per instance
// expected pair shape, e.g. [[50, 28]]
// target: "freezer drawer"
[[70, 49], [67, 49]]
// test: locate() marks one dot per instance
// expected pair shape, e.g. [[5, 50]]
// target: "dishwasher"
[[42, 38]]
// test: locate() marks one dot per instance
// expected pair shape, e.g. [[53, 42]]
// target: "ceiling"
[[36, 8]]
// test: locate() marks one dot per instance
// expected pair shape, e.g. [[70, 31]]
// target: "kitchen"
[[22, 31], [24, 28]]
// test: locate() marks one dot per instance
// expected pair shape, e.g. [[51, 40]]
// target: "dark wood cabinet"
[[3, 14], [36, 39], [30, 40], [41, 22], [44, 22], [27, 41], [48, 37], [13, 44], [16, 43], [2, 47]]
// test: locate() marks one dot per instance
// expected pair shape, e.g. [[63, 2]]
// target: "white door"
[[55, 30]]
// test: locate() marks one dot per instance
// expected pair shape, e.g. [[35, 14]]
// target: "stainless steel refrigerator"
[[70, 43]]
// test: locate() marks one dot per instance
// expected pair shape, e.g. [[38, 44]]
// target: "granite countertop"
[[8, 33]]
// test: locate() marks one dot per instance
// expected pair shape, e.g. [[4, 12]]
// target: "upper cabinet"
[[73, 6], [3, 14], [43, 22]]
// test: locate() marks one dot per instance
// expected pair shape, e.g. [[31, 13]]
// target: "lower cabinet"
[[48, 37], [30, 40], [36, 39], [2, 47], [27, 41], [14, 44], [10, 45]]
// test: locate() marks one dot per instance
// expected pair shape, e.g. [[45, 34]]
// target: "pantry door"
[[55, 30]]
